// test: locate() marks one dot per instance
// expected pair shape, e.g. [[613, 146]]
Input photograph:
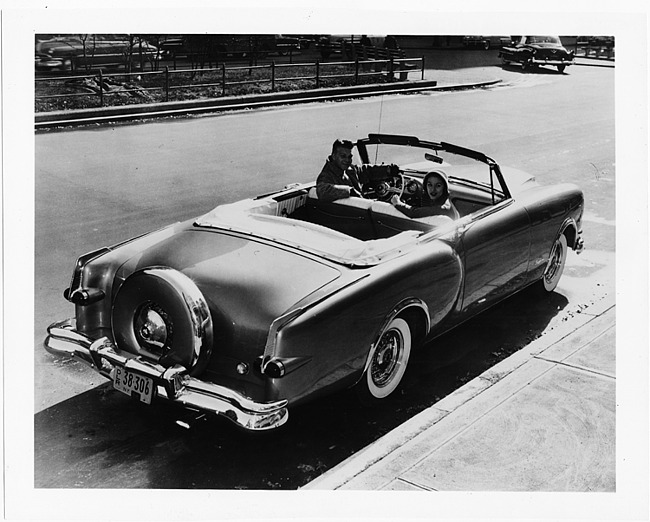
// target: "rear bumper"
[[173, 384]]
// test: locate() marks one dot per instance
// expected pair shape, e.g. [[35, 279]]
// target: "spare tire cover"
[[160, 314]]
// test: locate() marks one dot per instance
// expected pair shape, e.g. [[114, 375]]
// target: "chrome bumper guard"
[[174, 384], [541, 61], [580, 245]]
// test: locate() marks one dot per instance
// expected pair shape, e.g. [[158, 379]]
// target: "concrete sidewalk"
[[541, 420]]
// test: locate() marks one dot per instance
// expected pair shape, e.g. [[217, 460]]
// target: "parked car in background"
[[271, 302], [224, 47], [597, 41], [337, 44], [45, 62], [306, 40], [533, 51], [284, 44], [596, 46], [486, 42], [71, 53]]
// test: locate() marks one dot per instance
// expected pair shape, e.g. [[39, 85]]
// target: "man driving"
[[340, 179]]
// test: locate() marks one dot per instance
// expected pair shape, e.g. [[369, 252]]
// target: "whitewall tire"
[[555, 265], [387, 361]]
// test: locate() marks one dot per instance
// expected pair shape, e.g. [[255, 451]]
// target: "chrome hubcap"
[[152, 328], [386, 358], [554, 262]]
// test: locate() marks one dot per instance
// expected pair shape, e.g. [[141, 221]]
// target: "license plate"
[[132, 383]]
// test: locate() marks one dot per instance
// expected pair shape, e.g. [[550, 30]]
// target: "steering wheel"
[[412, 193], [384, 190]]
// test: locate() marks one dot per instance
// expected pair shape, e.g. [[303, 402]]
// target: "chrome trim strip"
[[541, 61], [280, 322], [197, 307], [77, 283], [271, 338], [174, 384]]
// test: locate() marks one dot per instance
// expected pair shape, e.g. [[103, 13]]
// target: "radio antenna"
[[381, 110]]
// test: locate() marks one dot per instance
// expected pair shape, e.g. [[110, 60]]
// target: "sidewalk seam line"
[[578, 348], [419, 486], [464, 429], [577, 367]]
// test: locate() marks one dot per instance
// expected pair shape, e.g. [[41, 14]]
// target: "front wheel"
[[555, 265], [387, 361]]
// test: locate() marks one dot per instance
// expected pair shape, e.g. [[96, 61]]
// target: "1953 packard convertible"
[[269, 302]]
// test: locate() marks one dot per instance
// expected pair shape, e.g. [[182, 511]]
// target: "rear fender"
[[103, 273], [331, 338], [553, 210]]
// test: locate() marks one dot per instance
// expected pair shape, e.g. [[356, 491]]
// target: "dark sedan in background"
[[533, 51]]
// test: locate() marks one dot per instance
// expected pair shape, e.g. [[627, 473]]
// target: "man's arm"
[[367, 173], [329, 188], [331, 192]]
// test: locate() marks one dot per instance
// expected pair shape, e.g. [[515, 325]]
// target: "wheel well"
[[570, 233], [417, 321]]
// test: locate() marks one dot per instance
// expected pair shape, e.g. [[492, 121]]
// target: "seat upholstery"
[[353, 201]]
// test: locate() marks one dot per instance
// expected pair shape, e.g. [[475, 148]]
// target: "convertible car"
[[532, 51], [270, 302]]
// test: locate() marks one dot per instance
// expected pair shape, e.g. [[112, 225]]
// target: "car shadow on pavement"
[[543, 70], [103, 439]]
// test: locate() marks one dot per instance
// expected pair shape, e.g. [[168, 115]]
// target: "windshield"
[[417, 161], [543, 39]]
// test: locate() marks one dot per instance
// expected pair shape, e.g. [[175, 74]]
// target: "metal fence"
[[155, 86]]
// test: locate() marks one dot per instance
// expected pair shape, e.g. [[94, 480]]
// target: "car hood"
[[549, 48], [242, 279], [545, 45], [518, 180]]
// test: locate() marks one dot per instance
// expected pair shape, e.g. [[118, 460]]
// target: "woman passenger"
[[435, 199]]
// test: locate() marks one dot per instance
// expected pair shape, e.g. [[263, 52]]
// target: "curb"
[[380, 451], [595, 61], [142, 111]]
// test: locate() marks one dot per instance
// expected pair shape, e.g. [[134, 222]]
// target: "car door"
[[496, 248]]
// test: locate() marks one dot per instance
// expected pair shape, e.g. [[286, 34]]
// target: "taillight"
[[280, 366], [77, 292]]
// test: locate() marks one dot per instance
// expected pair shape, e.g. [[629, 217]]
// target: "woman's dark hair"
[[426, 200]]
